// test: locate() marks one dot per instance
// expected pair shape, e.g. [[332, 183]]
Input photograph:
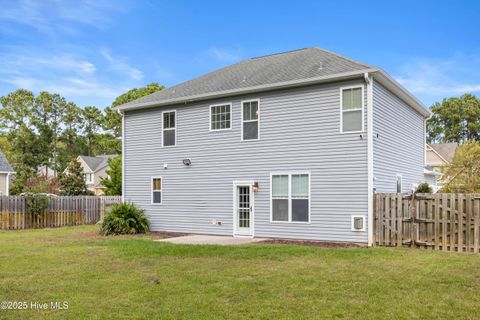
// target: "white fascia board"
[[394, 86]]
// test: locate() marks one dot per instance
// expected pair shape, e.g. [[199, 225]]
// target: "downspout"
[[370, 186], [123, 154]]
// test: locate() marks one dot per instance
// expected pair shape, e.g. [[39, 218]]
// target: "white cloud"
[[120, 64], [225, 55], [435, 79], [51, 16]]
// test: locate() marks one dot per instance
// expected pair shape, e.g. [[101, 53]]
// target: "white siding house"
[[290, 145]]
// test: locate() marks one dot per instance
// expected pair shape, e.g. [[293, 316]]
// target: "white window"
[[290, 194], [399, 183], [89, 177], [351, 109], [157, 190], [220, 117], [250, 120], [168, 128]]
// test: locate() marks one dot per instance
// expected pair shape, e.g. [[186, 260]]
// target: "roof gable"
[[96, 163], [4, 165], [445, 150]]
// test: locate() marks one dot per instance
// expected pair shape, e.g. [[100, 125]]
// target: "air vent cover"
[[358, 223]]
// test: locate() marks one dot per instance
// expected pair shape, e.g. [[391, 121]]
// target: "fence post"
[[413, 216]]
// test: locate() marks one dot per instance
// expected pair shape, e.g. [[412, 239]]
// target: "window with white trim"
[[157, 190], [352, 109], [290, 197], [220, 117], [250, 120], [399, 183], [168, 128], [88, 177]]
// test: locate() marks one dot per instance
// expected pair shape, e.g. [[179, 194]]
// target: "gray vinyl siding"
[[299, 130], [399, 147]]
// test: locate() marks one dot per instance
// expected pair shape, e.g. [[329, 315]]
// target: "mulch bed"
[[311, 243]]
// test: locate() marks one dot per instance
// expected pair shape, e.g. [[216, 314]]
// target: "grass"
[[137, 278]]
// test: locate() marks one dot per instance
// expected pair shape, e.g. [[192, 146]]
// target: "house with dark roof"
[[6, 172], [95, 168], [289, 145]]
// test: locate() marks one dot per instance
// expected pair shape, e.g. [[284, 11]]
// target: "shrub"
[[125, 218], [36, 203], [424, 188]]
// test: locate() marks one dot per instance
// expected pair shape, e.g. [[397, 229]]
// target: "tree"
[[113, 184], [113, 120], [455, 120], [463, 173], [72, 143], [91, 117], [72, 182]]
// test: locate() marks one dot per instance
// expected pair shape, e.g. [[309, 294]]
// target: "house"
[[46, 171], [6, 172], [439, 155], [289, 145], [95, 168]]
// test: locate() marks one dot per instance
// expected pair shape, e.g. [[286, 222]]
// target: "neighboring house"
[[289, 145], [6, 172], [95, 168], [438, 155], [46, 171]]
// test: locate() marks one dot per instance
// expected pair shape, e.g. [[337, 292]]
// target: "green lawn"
[[137, 278]]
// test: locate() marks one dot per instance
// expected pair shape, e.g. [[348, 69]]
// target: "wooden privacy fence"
[[61, 211], [442, 221]]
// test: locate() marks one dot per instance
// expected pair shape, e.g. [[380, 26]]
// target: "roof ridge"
[[278, 53], [344, 57]]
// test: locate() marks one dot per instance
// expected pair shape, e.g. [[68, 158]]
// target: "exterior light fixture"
[[255, 187], [187, 162]]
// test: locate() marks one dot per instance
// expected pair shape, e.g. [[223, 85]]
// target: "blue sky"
[[92, 51]]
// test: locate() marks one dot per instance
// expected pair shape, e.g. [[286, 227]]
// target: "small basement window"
[[352, 109], [169, 128], [220, 117], [157, 190]]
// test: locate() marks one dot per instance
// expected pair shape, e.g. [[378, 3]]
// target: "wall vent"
[[358, 223]]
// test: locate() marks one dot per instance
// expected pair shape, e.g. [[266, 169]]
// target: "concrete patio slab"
[[208, 239]]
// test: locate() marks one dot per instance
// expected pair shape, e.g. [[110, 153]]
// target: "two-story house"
[[95, 168], [289, 145]]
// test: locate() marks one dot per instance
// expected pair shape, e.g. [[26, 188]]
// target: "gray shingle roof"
[[4, 165], [276, 68], [445, 150], [96, 163]]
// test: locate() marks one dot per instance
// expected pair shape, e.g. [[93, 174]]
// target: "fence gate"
[[447, 222]]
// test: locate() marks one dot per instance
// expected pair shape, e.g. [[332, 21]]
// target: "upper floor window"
[[89, 177], [220, 117], [352, 109], [250, 120], [168, 128]]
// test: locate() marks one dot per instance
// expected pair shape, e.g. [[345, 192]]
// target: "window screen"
[[220, 117], [290, 197], [251, 112], [352, 106], [157, 190], [169, 128]]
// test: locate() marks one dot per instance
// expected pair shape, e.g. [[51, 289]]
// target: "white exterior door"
[[243, 210]]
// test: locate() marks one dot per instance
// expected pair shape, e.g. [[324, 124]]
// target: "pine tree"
[[113, 184], [72, 182]]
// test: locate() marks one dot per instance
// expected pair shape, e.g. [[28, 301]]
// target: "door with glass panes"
[[243, 223]]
